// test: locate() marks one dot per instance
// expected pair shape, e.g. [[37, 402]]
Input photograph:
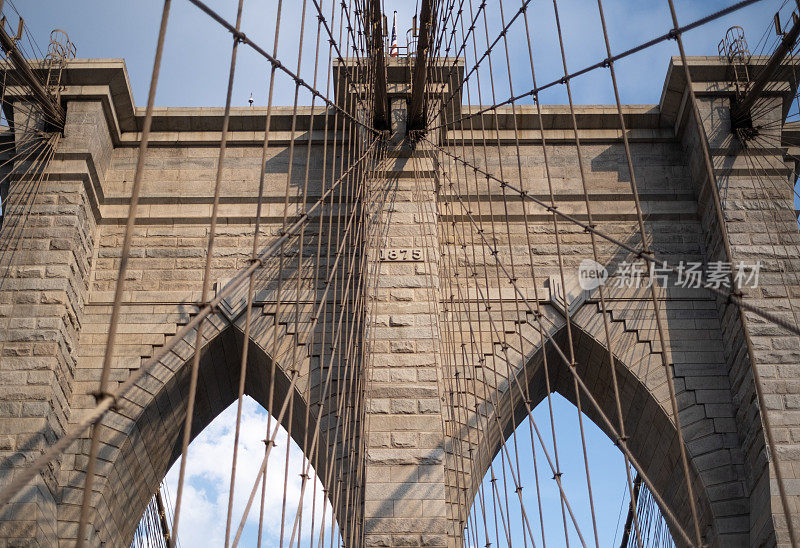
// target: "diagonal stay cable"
[[109, 400], [242, 37], [648, 257], [206, 286], [546, 336], [335, 46], [501, 35], [534, 92], [711, 181]]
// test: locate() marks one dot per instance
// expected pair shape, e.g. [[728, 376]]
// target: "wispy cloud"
[[205, 503]]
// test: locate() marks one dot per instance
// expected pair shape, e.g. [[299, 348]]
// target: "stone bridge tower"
[[60, 255]]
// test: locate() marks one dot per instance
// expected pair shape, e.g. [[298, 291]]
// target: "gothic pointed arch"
[[650, 429], [141, 440]]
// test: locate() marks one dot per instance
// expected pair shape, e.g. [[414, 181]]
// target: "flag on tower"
[[393, 51]]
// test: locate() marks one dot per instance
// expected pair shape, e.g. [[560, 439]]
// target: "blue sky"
[[194, 74], [198, 50], [203, 515], [204, 510], [606, 472]]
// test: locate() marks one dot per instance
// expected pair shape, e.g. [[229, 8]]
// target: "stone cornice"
[[107, 80]]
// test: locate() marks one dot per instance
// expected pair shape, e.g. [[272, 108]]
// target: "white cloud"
[[205, 502]]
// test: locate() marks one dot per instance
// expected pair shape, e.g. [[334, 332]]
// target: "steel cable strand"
[[483, 446], [437, 98], [648, 257], [323, 299], [484, 297], [615, 435], [532, 269], [463, 45], [318, 420], [556, 230], [294, 358], [478, 194], [450, 273], [433, 298], [251, 280], [277, 305], [486, 54], [606, 421], [308, 452], [335, 274], [342, 291], [241, 37], [534, 92], [335, 347], [507, 226], [484, 259], [111, 400], [761, 172], [772, 146], [335, 46], [712, 182], [118, 290], [373, 238], [428, 238], [645, 248], [195, 370], [494, 405], [38, 154], [490, 207], [317, 271]]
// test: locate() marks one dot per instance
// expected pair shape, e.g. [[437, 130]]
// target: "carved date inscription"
[[401, 254]]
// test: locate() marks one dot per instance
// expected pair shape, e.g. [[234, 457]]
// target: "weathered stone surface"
[[59, 273]]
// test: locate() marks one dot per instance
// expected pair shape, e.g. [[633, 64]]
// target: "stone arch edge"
[[141, 441]]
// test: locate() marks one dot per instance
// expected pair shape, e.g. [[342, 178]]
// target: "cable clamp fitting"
[[99, 396], [210, 304], [735, 293]]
